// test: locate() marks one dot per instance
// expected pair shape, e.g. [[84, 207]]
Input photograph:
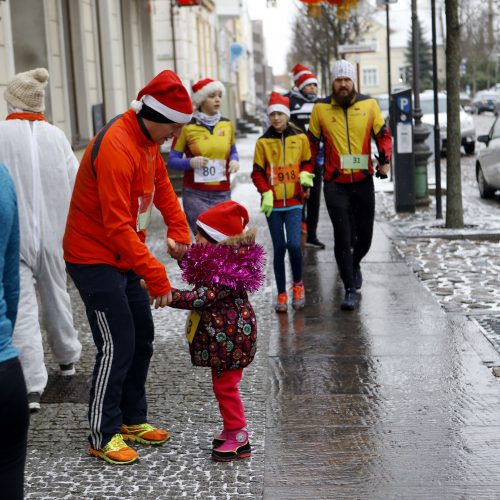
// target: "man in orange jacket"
[[121, 176]]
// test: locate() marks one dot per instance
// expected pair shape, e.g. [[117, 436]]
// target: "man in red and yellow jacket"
[[121, 176], [347, 121]]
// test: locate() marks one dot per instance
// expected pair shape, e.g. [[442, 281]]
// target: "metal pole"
[[388, 49], [437, 135], [420, 132], [172, 25]]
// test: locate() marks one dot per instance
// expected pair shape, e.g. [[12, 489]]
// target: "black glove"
[[382, 160]]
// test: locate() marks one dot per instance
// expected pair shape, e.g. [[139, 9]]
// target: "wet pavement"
[[394, 400]]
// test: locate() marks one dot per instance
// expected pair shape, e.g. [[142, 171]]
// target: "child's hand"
[[175, 249]]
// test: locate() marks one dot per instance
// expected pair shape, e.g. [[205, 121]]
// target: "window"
[[370, 77]]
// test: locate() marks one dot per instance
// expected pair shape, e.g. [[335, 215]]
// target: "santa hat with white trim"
[[305, 79], [164, 100], [298, 70], [278, 102], [223, 221], [203, 88]]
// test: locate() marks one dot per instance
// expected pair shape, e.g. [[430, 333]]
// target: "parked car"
[[486, 101], [467, 127], [488, 162]]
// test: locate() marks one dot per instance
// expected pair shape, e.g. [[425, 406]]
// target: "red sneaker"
[[299, 296], [281, 303]]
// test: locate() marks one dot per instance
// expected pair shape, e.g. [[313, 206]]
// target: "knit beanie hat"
[[164, 100], [305, 79], [224, 220], [278, 102], [344, 69], [298, 70], [203, 88], [27, 90]]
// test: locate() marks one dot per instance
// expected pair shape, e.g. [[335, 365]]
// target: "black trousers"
[[352, 211], [310, 212], [14, 420], [122, 327]]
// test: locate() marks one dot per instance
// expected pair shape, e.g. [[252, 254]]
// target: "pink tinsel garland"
[[238, 267]]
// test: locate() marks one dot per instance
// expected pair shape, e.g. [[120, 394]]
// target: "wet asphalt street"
[[396, 400]]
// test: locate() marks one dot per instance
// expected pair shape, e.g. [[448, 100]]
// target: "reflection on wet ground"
[[390, 401]]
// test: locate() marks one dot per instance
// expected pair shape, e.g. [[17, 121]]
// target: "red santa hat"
[[166, 95], [203, 88], [278, 102], [298, 70], [305, 79], [224, 220]]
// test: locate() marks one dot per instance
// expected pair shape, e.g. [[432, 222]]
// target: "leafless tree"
[[454, 207], [315, 41]]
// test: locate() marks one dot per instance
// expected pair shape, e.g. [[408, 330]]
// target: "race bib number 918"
[[285, 174]]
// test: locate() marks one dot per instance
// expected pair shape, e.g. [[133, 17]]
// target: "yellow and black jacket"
[[198, 140], [348, 131], [278, 159]]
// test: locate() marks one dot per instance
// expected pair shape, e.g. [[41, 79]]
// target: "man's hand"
[[175, 249], [383, 166], [161, 301], [198, 162], [384, 169]]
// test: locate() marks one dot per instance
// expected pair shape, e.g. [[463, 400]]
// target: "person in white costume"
[[43, 166]]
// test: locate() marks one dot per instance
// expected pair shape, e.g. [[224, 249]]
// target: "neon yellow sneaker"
[[144, 433], [116, 452]]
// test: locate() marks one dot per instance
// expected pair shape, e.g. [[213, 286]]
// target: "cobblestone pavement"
[[460, 267], [180, 398]]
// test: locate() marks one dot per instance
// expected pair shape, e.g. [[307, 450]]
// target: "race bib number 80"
[[214, 171]]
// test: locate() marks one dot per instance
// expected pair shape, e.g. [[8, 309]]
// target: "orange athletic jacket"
[[104, 210]]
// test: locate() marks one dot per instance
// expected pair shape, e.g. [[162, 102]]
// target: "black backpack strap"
[[98, 141]]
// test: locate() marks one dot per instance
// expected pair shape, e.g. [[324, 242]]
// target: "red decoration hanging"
[[188, 3]]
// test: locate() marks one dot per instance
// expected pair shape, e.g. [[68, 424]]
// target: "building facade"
[[99, 53]]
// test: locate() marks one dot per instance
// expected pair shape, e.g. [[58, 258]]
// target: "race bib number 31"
[[215, 171], [354, 162]]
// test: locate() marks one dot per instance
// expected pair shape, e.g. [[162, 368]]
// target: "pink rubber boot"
[[235, 446]]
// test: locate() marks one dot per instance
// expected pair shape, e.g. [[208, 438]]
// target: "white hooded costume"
[[43, 166]]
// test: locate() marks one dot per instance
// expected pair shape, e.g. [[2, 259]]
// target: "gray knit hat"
[[27, 90], [344, 69]]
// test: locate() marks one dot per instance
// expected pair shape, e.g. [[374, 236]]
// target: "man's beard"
[[344, 100]]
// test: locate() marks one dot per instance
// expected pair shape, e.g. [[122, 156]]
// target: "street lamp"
[[420, 132], [437, 133]]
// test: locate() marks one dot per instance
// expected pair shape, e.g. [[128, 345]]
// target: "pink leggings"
[[227, 394]]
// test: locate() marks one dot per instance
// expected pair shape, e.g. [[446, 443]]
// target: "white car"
[[467, 127], [488, 162]]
